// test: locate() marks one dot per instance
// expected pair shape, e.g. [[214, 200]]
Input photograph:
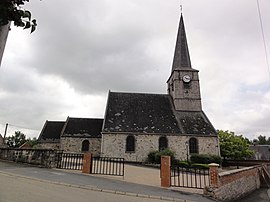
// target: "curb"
[[98, 189]]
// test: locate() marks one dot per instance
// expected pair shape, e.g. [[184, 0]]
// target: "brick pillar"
[[213, 169], [165, 169], [87, 163]]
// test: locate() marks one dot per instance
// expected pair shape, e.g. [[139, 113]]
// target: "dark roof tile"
[[83, 127], [138, 112], [51, 131]]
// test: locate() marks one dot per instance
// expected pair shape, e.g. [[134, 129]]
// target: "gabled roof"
[[142, 113], [195, 123], [181, 58], [152, 113], [51, 131], [82, 127]]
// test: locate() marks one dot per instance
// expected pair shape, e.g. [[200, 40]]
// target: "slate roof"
[[51, 131], [151, 113], [137, 112], [181, 54], [82, 127], [195, 123]]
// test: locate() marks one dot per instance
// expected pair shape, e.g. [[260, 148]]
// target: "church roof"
[[181, 58], [138, 112], [152, 113], [195, 123], [51, 131], [82, 127]]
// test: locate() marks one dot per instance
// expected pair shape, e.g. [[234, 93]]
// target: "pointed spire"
[[181, 54]]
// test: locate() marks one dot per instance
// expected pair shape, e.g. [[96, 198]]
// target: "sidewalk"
[[146, 176]]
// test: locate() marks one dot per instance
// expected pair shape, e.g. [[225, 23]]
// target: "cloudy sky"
[[82, 50]]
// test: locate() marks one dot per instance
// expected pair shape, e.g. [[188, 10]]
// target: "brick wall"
[[235, 184]]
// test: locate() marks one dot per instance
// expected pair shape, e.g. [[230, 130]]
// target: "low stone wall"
[[235, 184], [42, 157]]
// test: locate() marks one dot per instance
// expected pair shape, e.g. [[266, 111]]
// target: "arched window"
[[193, 146], [130, 143], [162, 143], [85, 146]]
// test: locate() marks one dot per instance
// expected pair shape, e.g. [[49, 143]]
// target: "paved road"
[[27, 190], [89, 182]]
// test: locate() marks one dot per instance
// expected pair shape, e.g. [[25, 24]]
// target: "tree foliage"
[[19, 139], [12, 10], [233, 146], [261, 140], [16, 140]]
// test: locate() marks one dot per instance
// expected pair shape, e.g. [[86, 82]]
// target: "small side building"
[[261, 152], [82, 135], [49, 137]]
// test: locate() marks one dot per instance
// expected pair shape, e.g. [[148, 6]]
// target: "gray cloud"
[[82, 50]]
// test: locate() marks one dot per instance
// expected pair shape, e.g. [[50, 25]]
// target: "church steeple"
[[183, 83], [181, 58]]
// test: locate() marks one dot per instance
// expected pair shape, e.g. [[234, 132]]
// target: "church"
[[138, 123]]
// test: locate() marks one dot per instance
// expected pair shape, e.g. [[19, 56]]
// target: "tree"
[[12, 11], [261, 140], [32, 142], [233, 146], [16, 140]]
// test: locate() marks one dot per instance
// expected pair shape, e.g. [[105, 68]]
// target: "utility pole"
[[5, 131]]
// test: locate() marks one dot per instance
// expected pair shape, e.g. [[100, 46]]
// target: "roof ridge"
[[140, 93]]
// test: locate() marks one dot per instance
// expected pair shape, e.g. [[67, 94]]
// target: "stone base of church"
[[70, 144], [49, 145], [114, 145]]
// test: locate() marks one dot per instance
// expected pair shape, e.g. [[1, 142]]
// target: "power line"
[[22, 127], [263, 37]]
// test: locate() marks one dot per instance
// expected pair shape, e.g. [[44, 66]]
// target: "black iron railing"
[[108, 166], [189, 177], [70, 161]]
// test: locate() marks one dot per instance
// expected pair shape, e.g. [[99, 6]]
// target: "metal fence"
[[108, 166], [70, 161], [189, 177]]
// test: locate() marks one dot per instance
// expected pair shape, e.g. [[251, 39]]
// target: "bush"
[[155, 156], [184, 164], [200, 166], [151, 156], [205, 158]]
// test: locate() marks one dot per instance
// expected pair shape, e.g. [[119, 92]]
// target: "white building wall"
[[114, 145]]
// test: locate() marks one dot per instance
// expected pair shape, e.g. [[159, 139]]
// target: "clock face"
[[186, 78]]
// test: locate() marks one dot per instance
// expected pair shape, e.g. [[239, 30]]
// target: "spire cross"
[[181, 8]]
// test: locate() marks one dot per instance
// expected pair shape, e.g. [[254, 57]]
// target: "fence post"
[[87, 160], [165, 171], [213, 169]]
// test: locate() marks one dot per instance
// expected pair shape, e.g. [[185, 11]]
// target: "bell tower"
[[183, 83]]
